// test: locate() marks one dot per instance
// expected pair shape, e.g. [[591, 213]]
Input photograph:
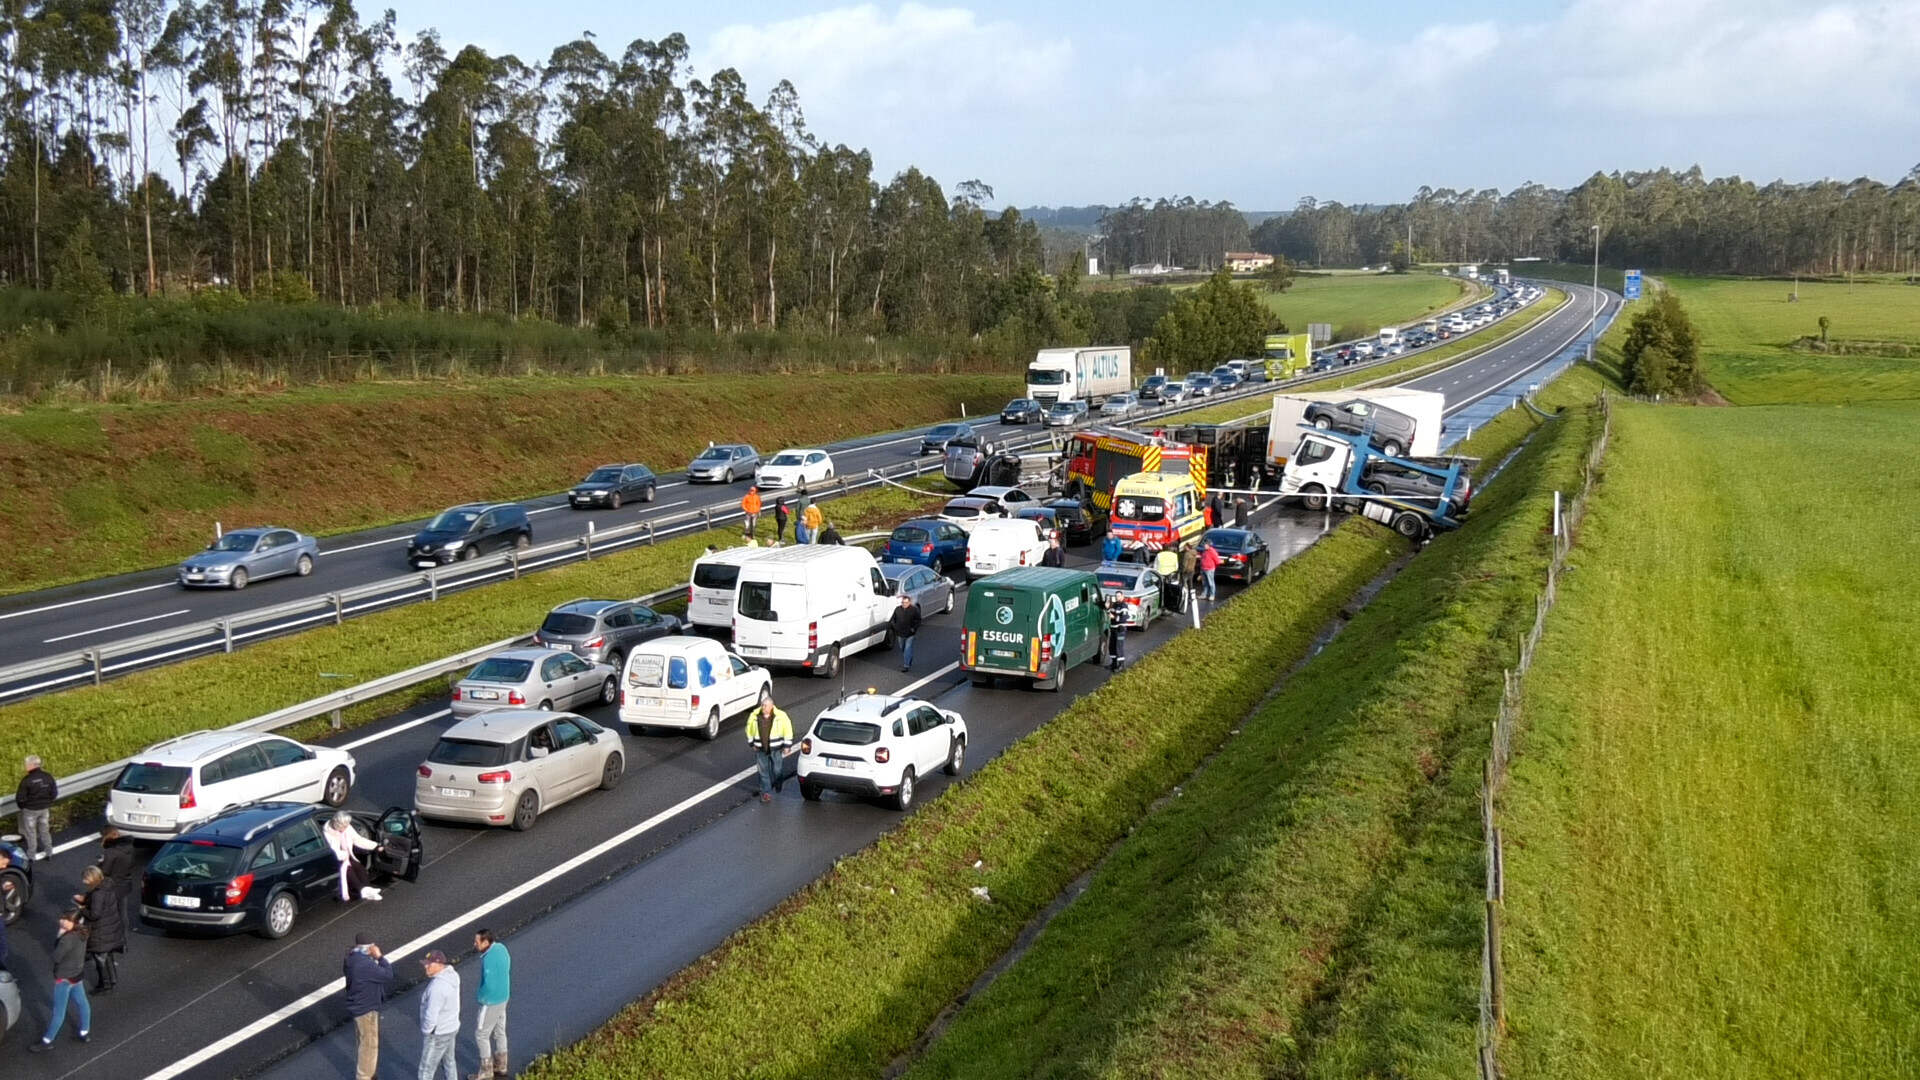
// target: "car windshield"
[[1228, 541], [716, 576], [716, 453], [944, 431], [453, 521], [469, 752], [1121, 582], [1061, 407], [1045, 376], [1137, 509], [235, 541], [645, 669], [1019, 403], [502, 669], [141, 778], [602, 476], [762, 600], [186, 860], [567, 622], [787, 459], [1035, 513], [846, 732], [910, 534]]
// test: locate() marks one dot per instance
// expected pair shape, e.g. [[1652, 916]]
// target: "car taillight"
[[238, 888], [689, 594], [515, 697], [882, 755], [1133, 601], [187, 801], [456, 693], [1236, 558], [1046, 650], [926, 549], [1023, 558], [595, 643], [813, 636], [694, 702], [623, 695], [425, 771], [538, 640], [503, 776], [806, 745]]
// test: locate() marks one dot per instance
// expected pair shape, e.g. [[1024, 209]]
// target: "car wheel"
[[546, 706], [614, 502], [636, 730], [611, 772], [1322, 422], [712, 730], [1106, 656], [958, 759], [830, 669], [525, 812], [282, 910], [523, 542], [903, 795], [470, 553], [729, 477], [339, 785], [886, 640], [810, 792], [1057, 675], [14, 890], [948, 610], [1313, 497], [617, 660], [239, 578], [651, 492], [610, 691], [980, 680], [1393, 449], [1409, 526], [304, 566], [1376, 488]]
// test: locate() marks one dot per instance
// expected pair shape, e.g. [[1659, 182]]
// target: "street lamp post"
[[1593, 324]]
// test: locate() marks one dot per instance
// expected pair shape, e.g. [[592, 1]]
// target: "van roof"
[[1032, 577], [1157, 481], [802, 554], [677, 644], [733, 556]]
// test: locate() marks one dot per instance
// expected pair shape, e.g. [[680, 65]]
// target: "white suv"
[[173, 786], [877, 744]]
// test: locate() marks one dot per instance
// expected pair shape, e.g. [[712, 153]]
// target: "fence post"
[[706, 513], [1497, 979], [586, 540], [336, 719], [650, 538], [1556, 514], [339, 609]]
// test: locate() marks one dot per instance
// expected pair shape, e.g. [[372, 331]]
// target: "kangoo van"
[[1032, 623], [691, 683], [809, 606]]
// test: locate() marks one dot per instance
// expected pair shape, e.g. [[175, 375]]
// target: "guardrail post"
[[706, 514], [226, 632], [94, 655], [843, 485], [335, 716], [586, 540], [650, 539], [339, 609], [433, 584], [513, 555]]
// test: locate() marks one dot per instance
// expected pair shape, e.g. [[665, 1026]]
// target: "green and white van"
[[1033, 623]]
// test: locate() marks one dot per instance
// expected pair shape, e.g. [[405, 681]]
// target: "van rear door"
[[770, 619]]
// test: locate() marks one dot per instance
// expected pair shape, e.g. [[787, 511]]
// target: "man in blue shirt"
[[490, 1028]]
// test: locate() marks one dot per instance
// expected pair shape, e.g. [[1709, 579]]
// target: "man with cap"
[[439, 1017], [369, 977]]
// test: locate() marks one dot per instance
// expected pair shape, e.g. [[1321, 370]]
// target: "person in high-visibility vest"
[[770, 733]]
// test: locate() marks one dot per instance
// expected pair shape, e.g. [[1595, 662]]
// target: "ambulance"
[[1154, 510]]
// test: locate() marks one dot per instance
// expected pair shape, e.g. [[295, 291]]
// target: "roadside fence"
[[1566, 530]]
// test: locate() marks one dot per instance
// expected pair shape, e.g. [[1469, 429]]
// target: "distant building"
[[1246, 262], [1151, 269]]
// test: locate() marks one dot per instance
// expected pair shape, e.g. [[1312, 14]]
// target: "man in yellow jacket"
[[812, 518], [770, 732]]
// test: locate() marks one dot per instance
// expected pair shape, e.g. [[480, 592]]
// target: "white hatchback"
[[174, 786], [689, 683], [876, 744]]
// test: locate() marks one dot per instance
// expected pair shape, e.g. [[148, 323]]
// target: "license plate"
[[422, 564], [717, 601], [753, 648], [195, 576], [836, 763], [455, 793], [486, 695], [1002, 653], [900, 559], [181, 901], [144, 819], [647, 702]]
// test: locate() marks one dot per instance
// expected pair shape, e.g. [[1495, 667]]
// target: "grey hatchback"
[[724, 464], [603, 631]]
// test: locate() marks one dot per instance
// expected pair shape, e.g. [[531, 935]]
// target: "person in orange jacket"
[[750, 505]]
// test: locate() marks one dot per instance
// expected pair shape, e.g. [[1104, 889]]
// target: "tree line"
[[1663, 218]]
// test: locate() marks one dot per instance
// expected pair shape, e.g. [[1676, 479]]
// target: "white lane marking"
[[368, 544], [61, 849], [673, 483], [917, 684], [398, 728], [116, 626], [668, 506], [547, 509], [438, 933], [89, 600]]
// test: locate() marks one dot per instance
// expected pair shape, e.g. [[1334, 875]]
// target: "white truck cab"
[[810, 606]]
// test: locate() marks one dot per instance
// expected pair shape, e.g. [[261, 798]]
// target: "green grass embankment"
[[1310, 905], [847, 974], [81, 728], [1369, 300], [1716, 784], [112, 488], [1747, 329]]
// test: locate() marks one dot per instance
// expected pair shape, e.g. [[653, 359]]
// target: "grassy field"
[[1308, 906], [1711, 818], [1748, 326], [81, 728], [111, 488], [1371, 300]]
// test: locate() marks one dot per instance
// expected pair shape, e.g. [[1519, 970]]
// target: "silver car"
[[534, 678], [724, 464], [1120, 406], [246, 555], [1138, 588], [509, 766], [1065, 413], [933, 592]]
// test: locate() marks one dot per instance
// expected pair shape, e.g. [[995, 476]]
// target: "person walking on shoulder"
[[770, 732], [344, 839], [1209, 562], [69, 983], [106, 927], [369, 978], [1172, 591], [905, 622], [35, 797], [1055, 555], [439, 1017], [750, 506], [813, 519], [780, 516], [490, 1027]]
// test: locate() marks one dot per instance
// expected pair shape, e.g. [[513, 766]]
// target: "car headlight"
[[456, 545]]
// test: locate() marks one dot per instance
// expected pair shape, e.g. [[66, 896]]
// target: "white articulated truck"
[[1425, 407], [1089, 375]]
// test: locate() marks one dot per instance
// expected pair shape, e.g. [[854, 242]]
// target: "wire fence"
[[1566, 530]]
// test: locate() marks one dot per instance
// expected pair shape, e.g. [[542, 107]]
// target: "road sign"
[[1632, 288], [1320, 332]]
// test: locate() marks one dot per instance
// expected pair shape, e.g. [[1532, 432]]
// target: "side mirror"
[[537, 752]]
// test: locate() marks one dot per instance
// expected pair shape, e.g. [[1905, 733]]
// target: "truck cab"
[[1348, 472]]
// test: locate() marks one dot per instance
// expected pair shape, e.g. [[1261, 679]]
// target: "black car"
[[470, 531], [603, 631], [1389, 429], [1150, 390], [1383, 479], [16, 881], [937, 437], [1080, 522], [611, 485], [255, 868], [1243, 555], [1021, 410]]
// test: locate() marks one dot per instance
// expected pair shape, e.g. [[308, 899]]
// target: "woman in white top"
[[343, 838]]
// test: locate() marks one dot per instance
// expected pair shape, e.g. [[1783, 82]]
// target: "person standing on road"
[[118, 862], [1116, 632], [439, 1017], [1209, 562], [905, 622], [369, 978], [801, 504], [490, 1027], [1242, 509], [1190, 583], [1110, 549], [780, 516], [106, 927], [750, 506], [69, 983], [813, 519], [1055, 555], [344, 840], [770, 733], [1215, 516], [35, 797]]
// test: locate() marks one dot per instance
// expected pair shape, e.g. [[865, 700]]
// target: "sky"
[[1262, 103]]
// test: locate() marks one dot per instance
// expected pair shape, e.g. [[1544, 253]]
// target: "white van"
[[710, 596], [811, 606], [1000, 544], [686, 682]]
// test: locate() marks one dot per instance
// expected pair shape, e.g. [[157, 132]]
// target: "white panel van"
[[810, 606], [710, 596]]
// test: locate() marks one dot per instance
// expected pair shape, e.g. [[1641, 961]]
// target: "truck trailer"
[[1290, 412], [1089, 375]]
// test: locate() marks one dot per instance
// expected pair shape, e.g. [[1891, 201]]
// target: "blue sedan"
[[931, 542], [246, 555]]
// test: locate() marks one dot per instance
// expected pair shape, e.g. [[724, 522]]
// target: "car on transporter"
[[880, 746]]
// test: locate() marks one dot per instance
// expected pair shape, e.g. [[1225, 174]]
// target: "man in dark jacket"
[[1055, 555], [369, 977], [118, 862], [905, 621], [780, 515], [37, 793]]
